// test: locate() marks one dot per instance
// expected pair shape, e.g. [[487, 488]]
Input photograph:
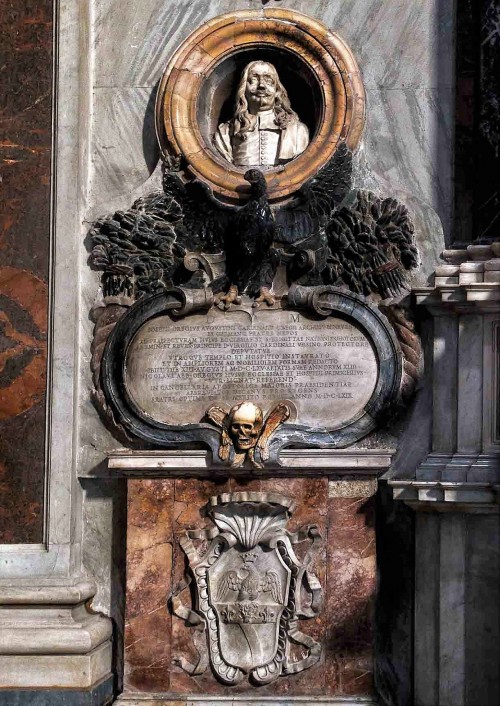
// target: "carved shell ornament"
[[250, 590]]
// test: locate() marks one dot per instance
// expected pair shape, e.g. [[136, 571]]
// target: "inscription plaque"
[[177, 368]]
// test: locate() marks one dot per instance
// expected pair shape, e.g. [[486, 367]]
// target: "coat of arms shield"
[[251, 588]]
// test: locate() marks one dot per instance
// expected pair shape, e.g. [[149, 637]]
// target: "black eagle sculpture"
[[251, 263], [326, 234]]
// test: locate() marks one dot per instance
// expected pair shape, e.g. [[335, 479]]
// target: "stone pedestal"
[[337, 494], [455, 491], [53, 648]]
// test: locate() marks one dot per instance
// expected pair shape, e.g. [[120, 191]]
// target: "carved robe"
[[267, 145]]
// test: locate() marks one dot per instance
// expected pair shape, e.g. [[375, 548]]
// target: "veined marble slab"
[[134, 700]]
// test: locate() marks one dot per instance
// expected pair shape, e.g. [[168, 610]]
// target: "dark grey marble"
[[99, 695], [488, 137]]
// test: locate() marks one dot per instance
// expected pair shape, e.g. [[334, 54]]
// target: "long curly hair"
[[244, 121]]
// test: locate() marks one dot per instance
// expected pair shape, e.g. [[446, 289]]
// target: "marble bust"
[[265, 131]]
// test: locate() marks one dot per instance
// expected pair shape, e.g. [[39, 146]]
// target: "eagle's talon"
[[266, 297], [224, 301]]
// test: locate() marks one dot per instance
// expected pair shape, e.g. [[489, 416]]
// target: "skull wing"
[[276, 416], [219, 416], [230, 582], [271, 582]]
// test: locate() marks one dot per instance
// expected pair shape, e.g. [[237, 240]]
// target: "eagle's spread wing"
[[317, 199], [271, 582], [276, 416], [205, 219], [230, 582], [330, 186]]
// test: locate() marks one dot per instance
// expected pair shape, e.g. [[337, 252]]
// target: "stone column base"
[[100, 694], [53, 648]]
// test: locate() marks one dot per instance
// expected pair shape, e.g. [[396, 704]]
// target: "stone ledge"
[[55, 630], [74, 671], [470, 281], [460, 468], [447, 496], [46, 591], [132, 699], [355, 462], [474, 294], [51, 638]]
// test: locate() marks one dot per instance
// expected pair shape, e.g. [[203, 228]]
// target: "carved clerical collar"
[[267, 120]]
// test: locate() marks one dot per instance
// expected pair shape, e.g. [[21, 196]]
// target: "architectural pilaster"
[[455, 490]]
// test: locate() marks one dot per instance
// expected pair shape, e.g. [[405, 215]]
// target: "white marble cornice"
[[319, 462]]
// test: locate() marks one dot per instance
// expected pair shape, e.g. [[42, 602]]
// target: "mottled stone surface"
[[149, 556], [159, 511], [25, 146], [176, 370], [487, 201]]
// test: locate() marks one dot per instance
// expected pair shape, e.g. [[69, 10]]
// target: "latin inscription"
[[176, 369]]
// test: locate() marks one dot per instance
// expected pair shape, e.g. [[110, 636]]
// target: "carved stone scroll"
[[161, 369]]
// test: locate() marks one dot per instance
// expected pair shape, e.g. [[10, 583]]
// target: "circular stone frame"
[[342, 113]]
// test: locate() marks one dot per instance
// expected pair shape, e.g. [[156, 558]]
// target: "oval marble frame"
[[323, 301], [343, 100]]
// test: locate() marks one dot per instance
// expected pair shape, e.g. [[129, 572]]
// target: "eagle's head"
[[257, 182]]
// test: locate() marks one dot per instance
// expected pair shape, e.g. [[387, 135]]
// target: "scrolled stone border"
[[323, 301], [343, 100]]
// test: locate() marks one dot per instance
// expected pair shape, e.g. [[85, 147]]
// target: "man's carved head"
[[261, 89], [245, 425], [261, 86]]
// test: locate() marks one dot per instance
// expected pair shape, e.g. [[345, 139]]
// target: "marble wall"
[[405, 50], [159, 511], [25, 157]]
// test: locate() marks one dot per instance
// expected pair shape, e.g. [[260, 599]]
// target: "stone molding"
[[468, 282], [244, 700], [310, 462], [453, 482], [99, 694], [50, 637], [442, 496]]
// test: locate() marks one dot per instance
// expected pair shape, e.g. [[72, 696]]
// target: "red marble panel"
[[25, 155], [345, 566], [351, 583], [149, 560]]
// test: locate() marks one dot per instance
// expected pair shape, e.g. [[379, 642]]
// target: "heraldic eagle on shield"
[[251, 589]]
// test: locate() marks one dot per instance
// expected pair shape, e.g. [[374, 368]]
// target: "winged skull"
[[244, 429]]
